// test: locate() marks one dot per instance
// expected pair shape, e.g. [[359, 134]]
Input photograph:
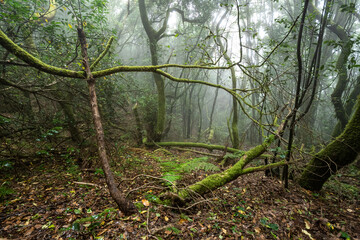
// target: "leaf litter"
[[51, 202]]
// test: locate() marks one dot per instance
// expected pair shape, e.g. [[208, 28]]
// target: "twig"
[[85, 183], [154, 231], [195, 151]]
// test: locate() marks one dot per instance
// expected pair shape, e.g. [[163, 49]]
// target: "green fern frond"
[[199, 164], [174, 171], [171, 177]]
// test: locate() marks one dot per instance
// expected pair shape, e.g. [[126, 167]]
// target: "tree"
[[340, 152]]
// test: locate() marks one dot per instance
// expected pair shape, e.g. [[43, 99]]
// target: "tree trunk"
[[154, 37], [234, 130], [124, 205], [139, 128], [71, 122], [350, 102], [339, 153]]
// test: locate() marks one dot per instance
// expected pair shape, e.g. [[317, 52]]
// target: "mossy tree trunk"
[[71, 121], [154, 36], [339, 153], [349, 106], [234, 130], [341, 67]]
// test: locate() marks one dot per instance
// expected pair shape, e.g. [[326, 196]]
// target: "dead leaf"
[[257, 230], [307, 224], [308, 234], [182, 221], [145, 202], [102, 232], [37, 226], [28, 232]]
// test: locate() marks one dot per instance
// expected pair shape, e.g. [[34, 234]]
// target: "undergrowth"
[[173, 171]]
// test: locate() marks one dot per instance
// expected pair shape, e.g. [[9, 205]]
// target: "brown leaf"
[[182, 221], [28, 232], [257, 230], [38, 226]]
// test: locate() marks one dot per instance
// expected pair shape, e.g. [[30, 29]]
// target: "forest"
[[179, 119]]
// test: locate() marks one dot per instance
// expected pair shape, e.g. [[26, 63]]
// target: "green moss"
[[102, 54], [339, 153], [9, 45], [214, 181]]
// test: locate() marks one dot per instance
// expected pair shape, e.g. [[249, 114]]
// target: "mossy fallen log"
[[217, 180]]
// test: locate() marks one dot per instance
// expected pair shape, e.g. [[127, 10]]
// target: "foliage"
[[174, 171], [90, 224], [5, 191]]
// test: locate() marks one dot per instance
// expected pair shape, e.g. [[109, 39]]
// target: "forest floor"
[[53, 199]]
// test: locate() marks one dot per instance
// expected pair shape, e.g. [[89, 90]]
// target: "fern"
[[198, 164], [171, 177], [175, 171]]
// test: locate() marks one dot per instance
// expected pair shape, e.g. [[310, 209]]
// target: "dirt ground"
[[54, 199]]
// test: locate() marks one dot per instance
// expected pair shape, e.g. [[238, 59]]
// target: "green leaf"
[[76, 227]]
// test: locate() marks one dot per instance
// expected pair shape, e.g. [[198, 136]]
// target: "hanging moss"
[[339, 153]]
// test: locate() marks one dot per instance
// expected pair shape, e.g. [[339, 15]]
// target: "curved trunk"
[[154, 37], [124, 205], [234, 131], [350, 102], [339, 153]]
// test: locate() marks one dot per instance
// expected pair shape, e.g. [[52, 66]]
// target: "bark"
[[349, 106], [217, 180], [197, 145], [189, 113], [138, 124], [124, 205], [341, 67], [234, 131], [71, 122], [154, 37], [339, 153], [213, 106]]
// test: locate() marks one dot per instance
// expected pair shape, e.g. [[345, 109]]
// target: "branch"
[[102, 54], [19, 52], [14, 63], [22, 54], [197, 145], [184, 19]]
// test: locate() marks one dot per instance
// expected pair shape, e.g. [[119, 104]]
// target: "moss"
[[214, 181], [9, 45], [102, 54], [337, 154]]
